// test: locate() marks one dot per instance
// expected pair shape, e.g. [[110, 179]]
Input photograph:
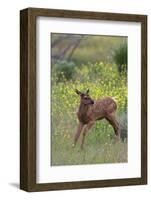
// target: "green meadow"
[[83, 70]]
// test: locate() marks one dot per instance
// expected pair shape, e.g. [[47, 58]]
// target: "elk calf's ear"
[[77, 91], [87, 91]]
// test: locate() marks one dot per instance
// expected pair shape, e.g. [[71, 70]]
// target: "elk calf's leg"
[[78, 132], [115, 124], [118, 131], [86, 129]]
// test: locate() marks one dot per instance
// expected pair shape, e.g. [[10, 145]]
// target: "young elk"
[[91, 110]]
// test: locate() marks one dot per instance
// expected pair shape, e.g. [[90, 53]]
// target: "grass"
[[97, 153], [100, 146]]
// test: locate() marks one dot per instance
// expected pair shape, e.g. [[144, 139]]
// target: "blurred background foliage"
[[100, 64], [84, 48]]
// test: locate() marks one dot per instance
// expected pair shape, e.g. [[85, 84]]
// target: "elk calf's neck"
[[83, 113]]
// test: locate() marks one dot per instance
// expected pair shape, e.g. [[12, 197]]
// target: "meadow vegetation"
[[103, 79]]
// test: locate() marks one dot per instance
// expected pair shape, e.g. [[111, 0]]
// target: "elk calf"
[[92, 110]]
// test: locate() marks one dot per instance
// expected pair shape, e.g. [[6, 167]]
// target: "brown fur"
[[92, 110]]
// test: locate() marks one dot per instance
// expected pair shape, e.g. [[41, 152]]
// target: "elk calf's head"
[[85, 98]]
